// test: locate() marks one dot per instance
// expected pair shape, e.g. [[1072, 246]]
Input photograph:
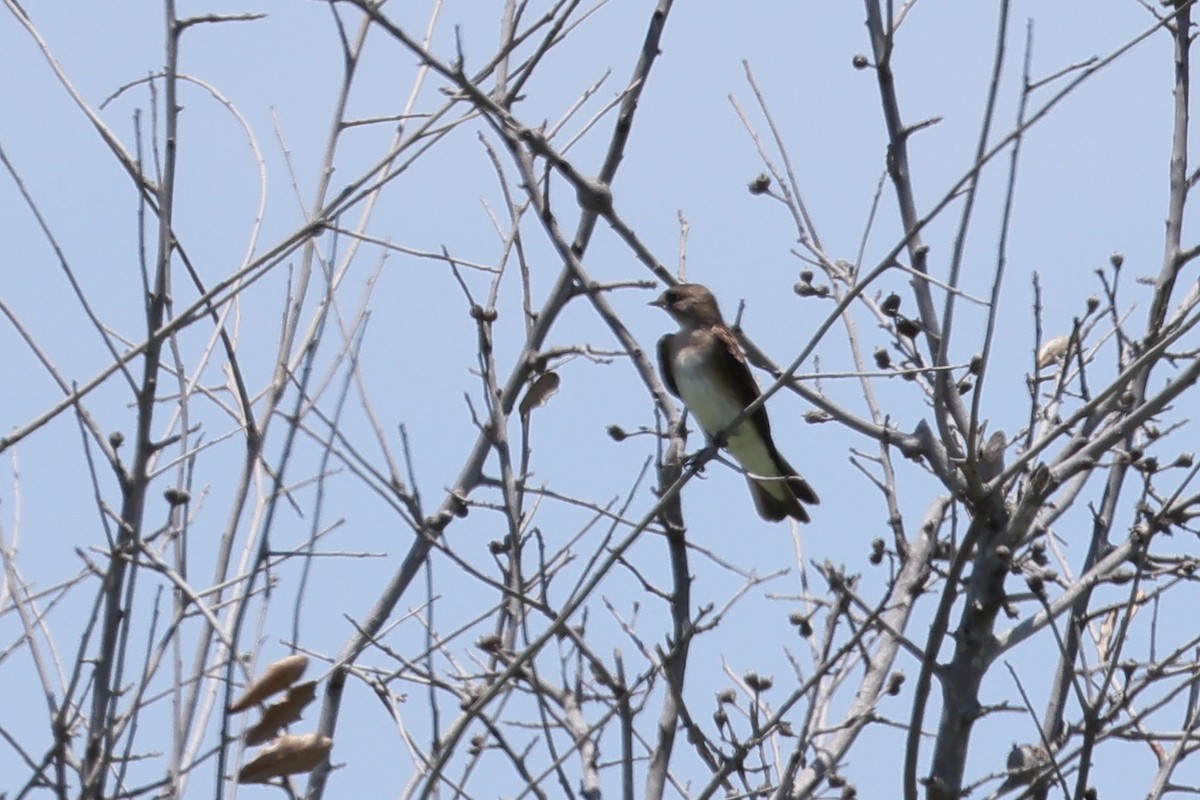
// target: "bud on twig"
[[890, 305], [759, 683], [760, 185], [907, 328], [876, 551]]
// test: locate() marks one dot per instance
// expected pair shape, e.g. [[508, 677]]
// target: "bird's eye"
[[672, 296]]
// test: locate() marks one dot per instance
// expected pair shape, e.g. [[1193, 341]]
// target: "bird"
[[703, 365]]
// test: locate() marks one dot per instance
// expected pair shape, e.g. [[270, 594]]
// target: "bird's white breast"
[[714, 405]]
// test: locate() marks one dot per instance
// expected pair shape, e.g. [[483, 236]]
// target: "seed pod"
[[275, 678]]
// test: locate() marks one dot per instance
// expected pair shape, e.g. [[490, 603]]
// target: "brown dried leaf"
[[1025, 763], [991, 456], [277, 677], [1109, 626], [539, 392], [285, 712], [1105, 638], [1053, 350], [287, 755]]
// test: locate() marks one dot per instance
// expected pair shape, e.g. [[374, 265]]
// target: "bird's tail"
[[779, 498]]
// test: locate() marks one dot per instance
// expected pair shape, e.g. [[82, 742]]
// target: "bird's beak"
[[658, 302]]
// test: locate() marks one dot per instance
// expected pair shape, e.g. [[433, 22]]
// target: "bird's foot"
[[698, 459]]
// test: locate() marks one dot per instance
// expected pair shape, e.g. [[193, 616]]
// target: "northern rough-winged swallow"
[[703, 365]]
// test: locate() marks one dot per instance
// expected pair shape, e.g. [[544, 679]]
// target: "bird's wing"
[[729, 351], [664, 364], [774, 500]]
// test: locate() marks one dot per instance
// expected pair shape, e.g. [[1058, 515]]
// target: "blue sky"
[[1092, 181]]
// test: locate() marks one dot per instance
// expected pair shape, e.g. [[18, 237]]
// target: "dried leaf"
[[991, 456], [1053, 350], [1025, 763], [1106, 632], [287, 755], [539, 392], [285, 712], [277, 677]]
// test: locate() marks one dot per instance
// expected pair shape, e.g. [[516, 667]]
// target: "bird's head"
[[690, 304]]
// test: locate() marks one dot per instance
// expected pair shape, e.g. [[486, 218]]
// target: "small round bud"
[[116, 439], [760, 185], [759, 683], [594, 195], [176, 496], [1093, 303], [907, 328], [860, 61], [1024, 762], [483, 314], [616, 433], [459, 508], [883, 359], [490, 643], [890, 304], [1116, 259], [876, 551]]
